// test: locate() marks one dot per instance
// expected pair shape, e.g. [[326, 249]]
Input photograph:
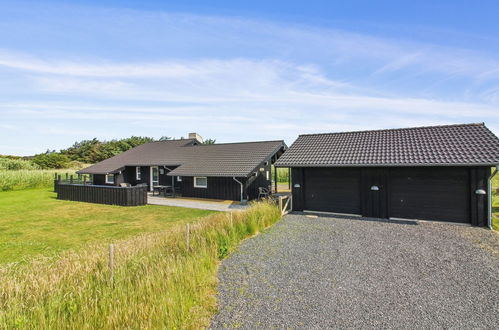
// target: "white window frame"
[[151, 177], [138, 175], [267, 175], [179, 179], [200, 186], [107, 180]]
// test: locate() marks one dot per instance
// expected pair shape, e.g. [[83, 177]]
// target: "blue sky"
[[237, 71]]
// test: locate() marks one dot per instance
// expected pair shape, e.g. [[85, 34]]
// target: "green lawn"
[[33, 222]]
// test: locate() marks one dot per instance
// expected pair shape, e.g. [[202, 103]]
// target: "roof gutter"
[[242, 188], [489, 188]]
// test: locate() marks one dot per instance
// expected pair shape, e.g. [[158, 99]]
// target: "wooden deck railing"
[[113, 195]]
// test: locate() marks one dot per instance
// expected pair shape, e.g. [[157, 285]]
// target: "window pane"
[[201, 182]]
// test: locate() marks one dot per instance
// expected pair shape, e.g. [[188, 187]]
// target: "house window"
[[137, 173], [179, 178], [200, 182], [110, 178]]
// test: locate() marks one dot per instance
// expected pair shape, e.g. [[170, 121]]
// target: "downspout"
[[489, 188], [242, 189]]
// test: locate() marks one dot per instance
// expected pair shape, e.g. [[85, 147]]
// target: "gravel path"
[[341, 273]]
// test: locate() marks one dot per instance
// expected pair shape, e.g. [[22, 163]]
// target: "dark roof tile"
[[465, 144], [223, 159]]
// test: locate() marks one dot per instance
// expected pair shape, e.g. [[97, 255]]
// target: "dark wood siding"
[[252, 190], [297, 188], [479, 179], [427, 193], [430, 193], [218, 188], [374, 203], [100, 179], [130, 196], [332, 190]]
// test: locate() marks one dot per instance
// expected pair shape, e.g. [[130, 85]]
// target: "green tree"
[[209, 141], [51, 160]]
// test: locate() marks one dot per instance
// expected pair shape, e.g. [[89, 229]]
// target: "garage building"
[[429, 173]]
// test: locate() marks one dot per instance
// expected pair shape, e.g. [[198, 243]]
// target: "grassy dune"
[[158, 282]]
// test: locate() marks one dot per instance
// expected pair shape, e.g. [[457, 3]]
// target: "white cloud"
[[266, 80]]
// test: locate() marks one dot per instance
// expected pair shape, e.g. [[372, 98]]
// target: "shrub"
[[51, 160], [157, 283]]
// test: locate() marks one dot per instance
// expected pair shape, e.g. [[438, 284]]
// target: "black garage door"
[[332, 190], [430, 193]]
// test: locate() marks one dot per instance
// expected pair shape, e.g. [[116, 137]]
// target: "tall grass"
[[158, 282], [26, 179], [17, 164], [282, 174]]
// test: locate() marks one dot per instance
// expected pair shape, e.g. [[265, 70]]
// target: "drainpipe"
[[489, 188], [242, 189]]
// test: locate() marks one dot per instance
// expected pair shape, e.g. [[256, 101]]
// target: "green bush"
[[51, 160]]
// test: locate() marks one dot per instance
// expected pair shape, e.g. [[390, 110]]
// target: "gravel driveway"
[[335, 272]]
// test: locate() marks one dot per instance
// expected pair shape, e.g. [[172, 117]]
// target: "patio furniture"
[[169, 191], [263, 192], [158, 189]]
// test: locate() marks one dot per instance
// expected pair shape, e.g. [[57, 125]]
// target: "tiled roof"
[[466, 144], [192, 158]]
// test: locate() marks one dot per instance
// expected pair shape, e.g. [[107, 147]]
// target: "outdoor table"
[[159, 189]]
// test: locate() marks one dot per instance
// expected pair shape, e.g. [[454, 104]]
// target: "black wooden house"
[[230, 171], [435, 173]]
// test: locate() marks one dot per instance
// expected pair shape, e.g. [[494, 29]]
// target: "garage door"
[[432, 194], [332, 190]]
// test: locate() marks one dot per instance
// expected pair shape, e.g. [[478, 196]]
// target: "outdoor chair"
[[263, 192], [169, 191]]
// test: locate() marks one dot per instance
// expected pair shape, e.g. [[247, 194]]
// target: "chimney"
[[196, 136]]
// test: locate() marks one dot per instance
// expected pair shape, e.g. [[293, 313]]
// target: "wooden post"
[[85, 180], [67, 176], [289, 178], [111, 262], [71, 179], [187, 243], [275, 178]]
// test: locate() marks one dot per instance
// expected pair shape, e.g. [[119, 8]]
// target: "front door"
[[374, 192], [154, 177]]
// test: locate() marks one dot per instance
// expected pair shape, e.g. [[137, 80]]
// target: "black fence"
[[113, 195]]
